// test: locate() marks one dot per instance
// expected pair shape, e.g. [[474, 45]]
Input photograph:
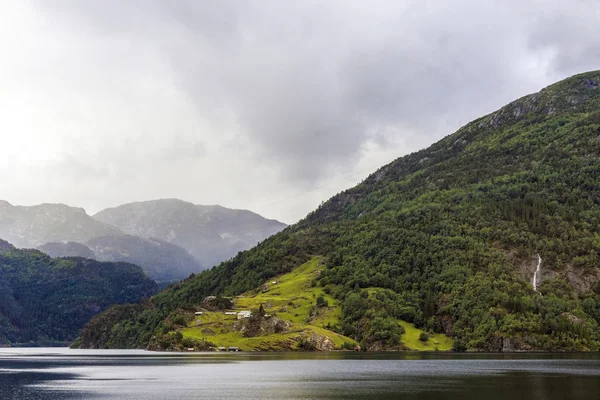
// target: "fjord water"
[[44, 374]]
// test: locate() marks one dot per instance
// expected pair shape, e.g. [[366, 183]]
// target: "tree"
[[321, 302]]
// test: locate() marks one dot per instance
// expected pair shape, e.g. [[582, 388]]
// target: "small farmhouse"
[[244, 314], [198, 313]]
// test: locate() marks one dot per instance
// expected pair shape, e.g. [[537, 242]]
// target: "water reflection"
[[66, 374]]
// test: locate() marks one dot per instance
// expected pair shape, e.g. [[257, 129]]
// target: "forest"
[[46, 301]]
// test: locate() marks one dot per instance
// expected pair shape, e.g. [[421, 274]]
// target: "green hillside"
[[307, 310], [46, 301], [446, 239]]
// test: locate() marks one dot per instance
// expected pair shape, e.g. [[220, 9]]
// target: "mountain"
[[153, 255], [170, 239], [160, 260], [69, 249], [489, 236], [29, 227], [5, 246], [63, 231], [47, 301], [210, 233]]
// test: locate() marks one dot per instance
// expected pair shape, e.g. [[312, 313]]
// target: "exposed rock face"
[[320, 343], [501, 344], [259, 326], [210, 233], [582, 281], [507, 345]]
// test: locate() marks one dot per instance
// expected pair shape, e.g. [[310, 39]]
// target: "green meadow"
[[289, 297]]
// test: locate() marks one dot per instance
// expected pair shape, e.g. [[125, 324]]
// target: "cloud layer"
[[248, 103]]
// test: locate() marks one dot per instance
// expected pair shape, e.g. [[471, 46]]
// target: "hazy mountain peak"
[[31, 226], [210, 233]]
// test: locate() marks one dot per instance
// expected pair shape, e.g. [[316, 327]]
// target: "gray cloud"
[[244, 103]]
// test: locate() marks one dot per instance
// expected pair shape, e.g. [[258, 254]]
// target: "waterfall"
[[535, 274]]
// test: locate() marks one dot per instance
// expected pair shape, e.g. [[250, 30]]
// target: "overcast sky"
[[248, 103]]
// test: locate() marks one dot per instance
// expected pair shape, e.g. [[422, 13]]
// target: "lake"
[[44, 374]]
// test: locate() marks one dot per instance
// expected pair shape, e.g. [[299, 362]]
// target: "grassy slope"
[[291, 299], [437, 341]]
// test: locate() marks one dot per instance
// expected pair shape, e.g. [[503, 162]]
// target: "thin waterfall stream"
[[535, 274]]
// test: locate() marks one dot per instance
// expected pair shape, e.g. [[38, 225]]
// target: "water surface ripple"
[[44, 374]]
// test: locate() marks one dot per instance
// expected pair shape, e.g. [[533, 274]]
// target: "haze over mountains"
[[210, 233], [169, 239]]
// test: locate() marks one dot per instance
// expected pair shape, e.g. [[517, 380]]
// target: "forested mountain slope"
[[47, 301], [447, 238]]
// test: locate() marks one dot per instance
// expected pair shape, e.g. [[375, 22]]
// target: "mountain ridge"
[[210, 233], [62, 230]]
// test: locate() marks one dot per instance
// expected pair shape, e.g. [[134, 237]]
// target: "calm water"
[[43, 374]]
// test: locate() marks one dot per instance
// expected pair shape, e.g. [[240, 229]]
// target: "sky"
[[267, 105]]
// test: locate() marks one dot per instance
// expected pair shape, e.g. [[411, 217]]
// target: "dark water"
[[44, 374]]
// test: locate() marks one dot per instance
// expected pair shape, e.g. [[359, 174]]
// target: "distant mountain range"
[[169, 239], [210, 233]]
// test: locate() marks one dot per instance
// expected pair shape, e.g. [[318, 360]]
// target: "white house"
[[244, 314], [198, 313], [230, 313]]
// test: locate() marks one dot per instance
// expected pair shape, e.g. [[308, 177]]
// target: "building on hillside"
[[244, 314], [230, 312], [198, 313]]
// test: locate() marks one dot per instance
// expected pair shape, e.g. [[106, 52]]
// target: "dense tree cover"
[[45, 300], [448, 237]]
